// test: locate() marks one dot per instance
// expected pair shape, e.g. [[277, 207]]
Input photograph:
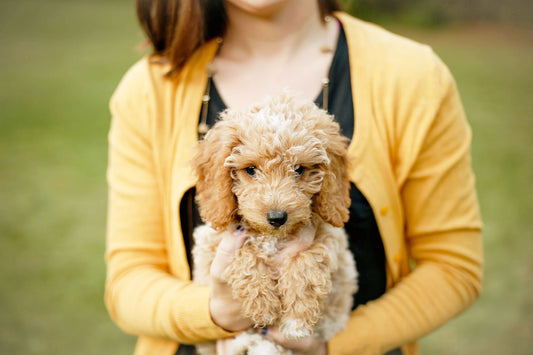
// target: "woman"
[[413, 194]]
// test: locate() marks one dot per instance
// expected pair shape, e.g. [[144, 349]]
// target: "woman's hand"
[[225, 311], [310, 345], [223, 346]]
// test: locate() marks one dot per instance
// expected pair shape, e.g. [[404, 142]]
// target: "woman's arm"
[[443, 227], [142, 297]]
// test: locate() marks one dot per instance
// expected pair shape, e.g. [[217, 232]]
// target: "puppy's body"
[[274, 170]]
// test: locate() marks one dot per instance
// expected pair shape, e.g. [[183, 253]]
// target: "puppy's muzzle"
[[276, 218]]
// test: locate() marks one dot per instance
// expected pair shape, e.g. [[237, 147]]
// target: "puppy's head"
[[271, 167]]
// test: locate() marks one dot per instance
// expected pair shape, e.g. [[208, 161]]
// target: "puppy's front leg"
[[253, 281], [304, 284]]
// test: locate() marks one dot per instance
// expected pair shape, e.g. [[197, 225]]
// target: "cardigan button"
[[384, 210], [398, 258]]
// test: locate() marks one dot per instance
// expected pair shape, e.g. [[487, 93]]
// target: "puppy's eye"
[[299, 170], [251, 170]]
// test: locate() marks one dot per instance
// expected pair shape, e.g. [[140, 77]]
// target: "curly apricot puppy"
[[274, 169]]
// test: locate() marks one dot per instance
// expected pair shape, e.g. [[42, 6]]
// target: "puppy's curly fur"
[[274, 169]]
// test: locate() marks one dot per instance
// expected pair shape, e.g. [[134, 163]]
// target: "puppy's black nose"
[[276, 218]]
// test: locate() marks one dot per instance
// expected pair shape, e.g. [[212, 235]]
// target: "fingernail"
[[239, 230]]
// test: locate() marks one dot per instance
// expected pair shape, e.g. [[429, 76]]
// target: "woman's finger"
[[223, 346], [229, 244]]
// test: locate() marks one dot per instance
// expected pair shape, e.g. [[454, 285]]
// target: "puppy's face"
[[275, 176], [271, 167]]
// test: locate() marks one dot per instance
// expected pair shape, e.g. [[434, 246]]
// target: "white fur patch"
[[269, 247], [293, 328]]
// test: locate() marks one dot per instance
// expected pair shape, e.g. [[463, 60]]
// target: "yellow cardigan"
[[411, 159]]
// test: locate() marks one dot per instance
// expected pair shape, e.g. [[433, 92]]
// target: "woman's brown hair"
[[176, 28]]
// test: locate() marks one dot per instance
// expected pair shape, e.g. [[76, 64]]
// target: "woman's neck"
[[280, 31], [267, 52]]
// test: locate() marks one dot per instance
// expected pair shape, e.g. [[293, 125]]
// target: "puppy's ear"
[[333, 201], [215, 199]]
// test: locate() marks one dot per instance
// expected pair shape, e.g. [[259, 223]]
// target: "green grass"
[[59, 65]]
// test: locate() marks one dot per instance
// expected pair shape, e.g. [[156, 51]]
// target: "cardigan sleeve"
[[141, 295], [442, 223]]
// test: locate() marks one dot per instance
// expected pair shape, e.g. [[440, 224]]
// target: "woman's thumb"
[[229, 244]]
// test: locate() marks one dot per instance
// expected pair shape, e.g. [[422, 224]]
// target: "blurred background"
[[61, 60]]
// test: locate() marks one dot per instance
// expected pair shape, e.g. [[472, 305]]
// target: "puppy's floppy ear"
[[213, 189], [333, 201]]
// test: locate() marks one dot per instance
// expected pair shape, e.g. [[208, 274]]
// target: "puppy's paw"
[[294, 329]]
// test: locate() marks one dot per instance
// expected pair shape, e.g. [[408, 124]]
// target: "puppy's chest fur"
[[267, 244]]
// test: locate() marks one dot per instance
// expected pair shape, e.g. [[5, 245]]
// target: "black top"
[[364, 238]]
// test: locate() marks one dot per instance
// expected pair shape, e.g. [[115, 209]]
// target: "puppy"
[[274, 169]]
